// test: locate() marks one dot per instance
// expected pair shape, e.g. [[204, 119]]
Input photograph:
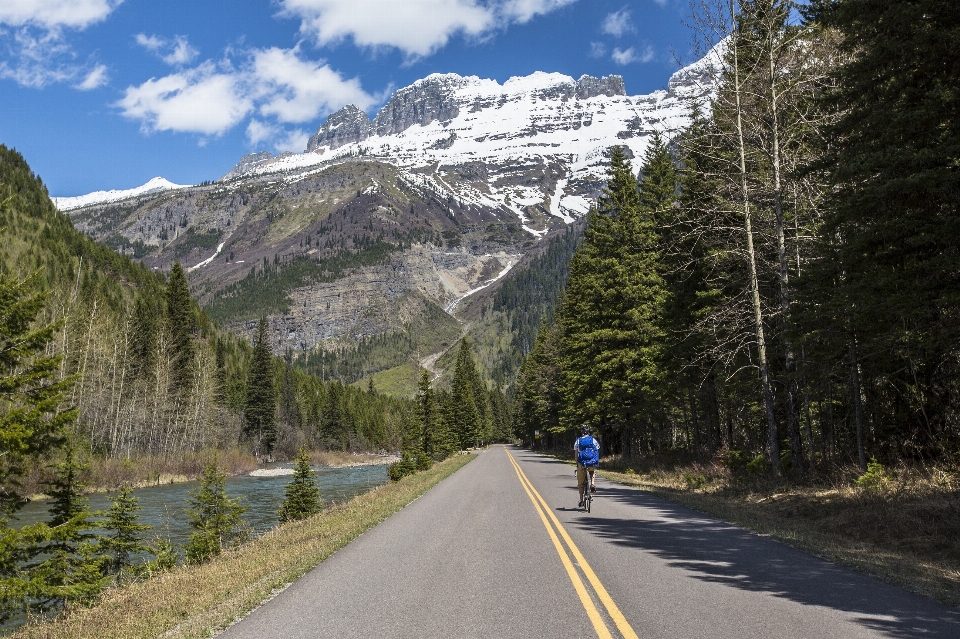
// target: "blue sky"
[[103, 94]]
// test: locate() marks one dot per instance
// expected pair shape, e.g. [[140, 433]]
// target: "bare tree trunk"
[[773, 445], [857, 402]]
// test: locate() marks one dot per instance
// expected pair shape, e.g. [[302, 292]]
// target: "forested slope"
[[779, 284], [153, 376]]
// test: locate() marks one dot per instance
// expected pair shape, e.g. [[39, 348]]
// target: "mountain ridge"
[[467, 177]]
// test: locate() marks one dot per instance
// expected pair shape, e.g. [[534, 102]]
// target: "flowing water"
[[163, 506]]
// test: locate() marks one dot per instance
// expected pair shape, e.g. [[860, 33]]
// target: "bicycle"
[[587, 491]]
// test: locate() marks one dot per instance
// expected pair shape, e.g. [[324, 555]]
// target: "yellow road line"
[[622, 625], [578, 585]]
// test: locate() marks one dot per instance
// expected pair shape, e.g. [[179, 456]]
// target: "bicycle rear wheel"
[[587, 499]]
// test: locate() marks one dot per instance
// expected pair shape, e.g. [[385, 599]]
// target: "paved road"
[[500, 550]]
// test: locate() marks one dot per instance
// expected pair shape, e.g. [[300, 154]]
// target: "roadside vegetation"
[[897, 523], [761, 319], [780, 280], [196, 600]]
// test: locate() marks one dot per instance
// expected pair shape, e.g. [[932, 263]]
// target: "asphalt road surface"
[[499, 549]]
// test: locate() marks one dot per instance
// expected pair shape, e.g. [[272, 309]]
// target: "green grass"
[[196, 601], [400, 381]]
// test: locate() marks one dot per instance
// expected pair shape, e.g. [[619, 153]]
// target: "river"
[[163, 506]]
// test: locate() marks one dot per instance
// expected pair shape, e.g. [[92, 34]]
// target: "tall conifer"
[[302, 494], [611, 325], [260, 422], [182, 324], [468, 418], [216, 518]]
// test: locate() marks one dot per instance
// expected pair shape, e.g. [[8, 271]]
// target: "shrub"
[[406, 466], [302, 493], [876, 477], [757, 466], [216, 519]]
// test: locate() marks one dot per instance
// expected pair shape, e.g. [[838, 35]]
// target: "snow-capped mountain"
[[391, 221], [156, 185], [544, 118]]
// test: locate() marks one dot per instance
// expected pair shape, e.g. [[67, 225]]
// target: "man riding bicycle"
[[587, 451]]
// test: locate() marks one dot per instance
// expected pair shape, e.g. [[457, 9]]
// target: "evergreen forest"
[[777, 284]]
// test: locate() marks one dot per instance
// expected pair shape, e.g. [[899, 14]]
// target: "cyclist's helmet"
[[585, 429]]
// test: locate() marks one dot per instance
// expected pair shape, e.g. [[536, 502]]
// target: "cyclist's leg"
[[581, 481], [593, 487]]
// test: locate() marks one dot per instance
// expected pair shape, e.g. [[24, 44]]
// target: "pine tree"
[[890, 242], [445, 440], [468, 418], [216, 518], [71, 566], [32, 422], [33, 425], [302, 498], [333, 422], [538, 401], [611, 317], [66, 491], [123, 528], [260, 424], [426, 413], [181, 322]]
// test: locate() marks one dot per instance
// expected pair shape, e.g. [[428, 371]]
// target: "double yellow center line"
[[547, 517]]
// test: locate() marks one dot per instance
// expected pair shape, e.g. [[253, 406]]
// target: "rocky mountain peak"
[[347, 126], [248, 162], [432, 98], [609, 85]]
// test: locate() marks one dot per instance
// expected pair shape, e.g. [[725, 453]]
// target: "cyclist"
[[587, 451]]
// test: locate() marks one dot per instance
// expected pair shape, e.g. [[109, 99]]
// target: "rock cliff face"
[[349, 125], [439, 98], [423, 102], [248, 163]]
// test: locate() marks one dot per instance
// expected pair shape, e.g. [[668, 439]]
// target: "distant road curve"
[[500, 550]]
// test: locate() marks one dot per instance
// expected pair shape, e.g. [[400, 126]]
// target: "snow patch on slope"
[[209, 259], [452, 305]]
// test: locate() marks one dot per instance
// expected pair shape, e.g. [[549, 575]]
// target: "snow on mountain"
[[448, 120], [541, 139], [155, 185]]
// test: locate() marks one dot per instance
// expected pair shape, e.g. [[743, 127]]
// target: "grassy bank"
[[192, 601], [110, 473], [901, 525]]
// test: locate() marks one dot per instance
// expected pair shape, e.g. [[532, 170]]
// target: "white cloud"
[[597, 50], [617, 23], [203, 100], [210, 99], [299, 90], [95, 79], [522, 11], [54, 14], [258, 132], [150, 43], [416, 27], [295, 141], [182, 52], [176, 52], [38, 52], [39, 58], [630, 55]]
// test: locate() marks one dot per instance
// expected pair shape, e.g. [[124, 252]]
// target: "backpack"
[[588, 455]]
